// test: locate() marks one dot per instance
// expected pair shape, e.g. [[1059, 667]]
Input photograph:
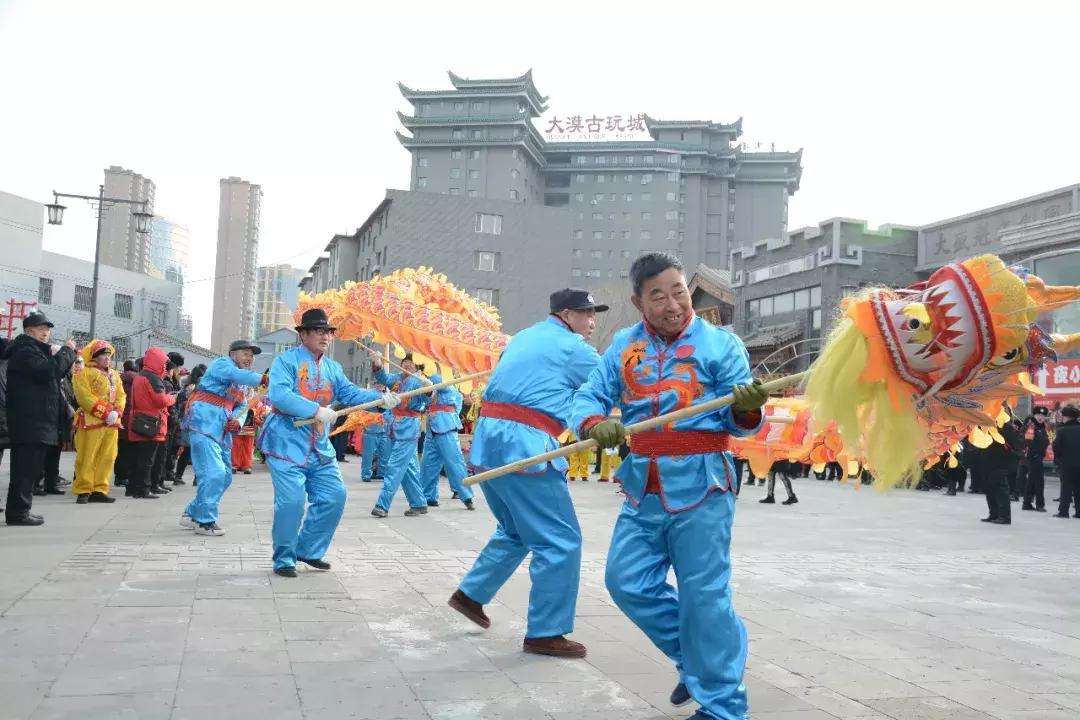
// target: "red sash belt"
[[208, 397], [665, 443], [523, 415], [400, 412], [442, 408]]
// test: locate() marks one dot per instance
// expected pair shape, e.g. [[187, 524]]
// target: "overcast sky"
[[906, 116]]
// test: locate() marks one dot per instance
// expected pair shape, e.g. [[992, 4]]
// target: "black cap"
[[409, 357], [1040, 410], [314, 319], [244, 345], [574, 299], [1070, 411], [176, 359], [36, 319]]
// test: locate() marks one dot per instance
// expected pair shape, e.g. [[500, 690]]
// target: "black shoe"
[[55, 491], [1014, 498], [988, 519], [1064, 515], [790, 501], [178, 481], [1040, 509], [285, 571], [27, 519], [1025, 506], [768, 500], [82, 499], [39, 492], [100, 497], [120, 483], [950, 493], [317, 564], [454, 497], [162, 490], [469, 505], [749, 483], [247, 472], [143, 496], [680, 695], [1001, 521], [433, 503]]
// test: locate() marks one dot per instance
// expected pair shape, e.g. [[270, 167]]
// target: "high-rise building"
[[277, 289], [170, 244], [121, 245], [237, 253]]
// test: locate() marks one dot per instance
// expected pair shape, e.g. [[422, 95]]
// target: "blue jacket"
[[444, 422], [226, 380], [540, 369], [299, 384], [644, 376], [404, 427]]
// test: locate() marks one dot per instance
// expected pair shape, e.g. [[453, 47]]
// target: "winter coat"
[[127, 378], [149, 395], [5, 441], [35, 405], [1067, 446]]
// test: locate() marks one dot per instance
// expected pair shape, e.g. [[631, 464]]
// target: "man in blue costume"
[[442, 448], [402, 468], [376, 442], [303, 383], [678, 481], [526, 407], [227, 385]]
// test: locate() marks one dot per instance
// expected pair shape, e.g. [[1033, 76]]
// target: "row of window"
[[630, 159], [478, 106], [784, 303], [646, 178], [629, 197], [670, 216], [626, 234], [477, 133], [597, 254], [84, 302]]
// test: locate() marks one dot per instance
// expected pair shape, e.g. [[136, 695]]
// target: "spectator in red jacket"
[[149, 404]]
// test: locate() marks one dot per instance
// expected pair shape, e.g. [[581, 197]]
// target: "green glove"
[[749, 398], [608, 433]]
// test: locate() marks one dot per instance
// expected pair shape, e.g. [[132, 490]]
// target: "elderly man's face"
[[243, 358], [41, 333]]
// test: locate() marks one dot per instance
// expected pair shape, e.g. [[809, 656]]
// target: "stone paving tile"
[[123, 614]]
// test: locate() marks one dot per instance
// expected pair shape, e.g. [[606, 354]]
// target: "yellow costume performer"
[[609, 463], [100, 395]]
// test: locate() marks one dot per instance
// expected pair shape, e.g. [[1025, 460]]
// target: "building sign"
[[591, 127], [1060, 378]]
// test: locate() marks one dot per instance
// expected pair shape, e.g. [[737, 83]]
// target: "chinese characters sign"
[[1060, 378], [592, 127]]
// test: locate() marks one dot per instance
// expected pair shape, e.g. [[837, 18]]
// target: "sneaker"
[[378, 512], [209, 529], [469, 505], [187, 522], [768, 500], [100, 497], [82, 499], [414, 511], [790, 501], [680, 695]]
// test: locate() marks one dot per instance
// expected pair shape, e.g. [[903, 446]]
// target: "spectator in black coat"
[[1067, 458], [1031, 467], [34, 407]]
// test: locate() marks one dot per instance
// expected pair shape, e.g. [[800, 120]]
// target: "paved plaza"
[[858, 605]]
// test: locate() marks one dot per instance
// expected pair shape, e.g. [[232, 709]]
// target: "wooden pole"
[[404, 396], [387, 361], [642, 426]]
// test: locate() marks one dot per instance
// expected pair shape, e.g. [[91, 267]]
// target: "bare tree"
[[622, 314]]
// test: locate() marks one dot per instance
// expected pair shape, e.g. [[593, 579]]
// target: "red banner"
[[1060, 379]]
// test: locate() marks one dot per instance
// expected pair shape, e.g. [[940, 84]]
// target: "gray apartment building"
[[690, 190], [239, 213], [789, 290]]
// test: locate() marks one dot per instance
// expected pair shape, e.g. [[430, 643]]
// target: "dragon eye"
[[913, 324]]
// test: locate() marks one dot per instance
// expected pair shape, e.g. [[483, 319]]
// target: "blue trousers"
[[696, 625], [443, 452], [402, 469], [321, 486], [213, 470], [535, 514], [374, 444]]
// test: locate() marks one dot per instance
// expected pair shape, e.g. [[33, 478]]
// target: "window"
[[648, 159], [630, 159], [646, 235], [671, 215], [478, 107], [731, 225], [815, 296], [425, 109], [611, 197], [513, 194], [682, 236], [673, 177], [597, 254], [598, 196], [488, 296], [766, 307], [598, 235], [474, 154], [477, 133], [514, 153], [514, 173], [628, 178], [122, 306], [83, 296], [421, 182], [581, 159], [646, 197], [44, 291], [816, 319], [474, 174], [671, 197], [455, 154], [601, 160], [601, 178], [646, 216], [422, 162], [487, 223], [598, 216], [457, 134], [611, 217], [487, 261], [682, 198], [459, 106], [81, 337], [580, 197], [626, 236], [670, 234], [594, 273], [682, 218], [576, 253], [673, 159], [159, 313], [579, 179], [576, 272], [753, 309], [627, 217], [783, 303], [802, 299], [455, 191], [473, 193], [629, 197], [455, 172], [731, 207], [122, 345], [577, 234], [611, 235], [646, 178]]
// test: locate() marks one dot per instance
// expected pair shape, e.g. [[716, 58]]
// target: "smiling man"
[[678, 481]]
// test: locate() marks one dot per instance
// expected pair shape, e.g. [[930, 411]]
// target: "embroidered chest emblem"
[[316, 388], [638, 376]]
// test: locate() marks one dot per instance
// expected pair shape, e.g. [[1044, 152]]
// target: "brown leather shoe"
[[557, 646], [469, 608]]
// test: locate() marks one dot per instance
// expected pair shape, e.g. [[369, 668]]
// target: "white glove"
[[390, 400], [112, 417], [325, 416]]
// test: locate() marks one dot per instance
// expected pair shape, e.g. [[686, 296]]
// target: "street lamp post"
[[142, 226]]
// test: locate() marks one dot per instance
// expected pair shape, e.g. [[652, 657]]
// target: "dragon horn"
[[1064, 344], [1050, 297]]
